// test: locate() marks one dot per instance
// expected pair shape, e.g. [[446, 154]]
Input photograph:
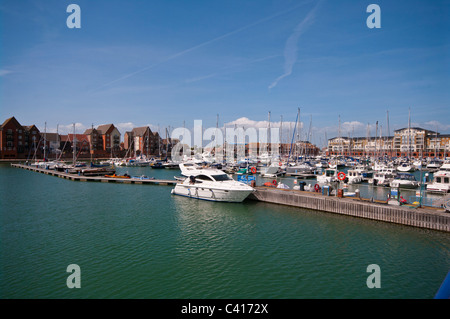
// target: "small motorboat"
[[142, 177], [118, 176]]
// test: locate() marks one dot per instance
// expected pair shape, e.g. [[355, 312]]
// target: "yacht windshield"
[[222, 177]]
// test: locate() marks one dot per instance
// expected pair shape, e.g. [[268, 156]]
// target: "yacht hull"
[[211, 194]]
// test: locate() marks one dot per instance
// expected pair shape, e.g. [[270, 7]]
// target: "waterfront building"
[[95, 139], [53, 144], [81, 142], [17, 141], [299, 148], [412, 142], [167, 144], [141, 140], [33, 141], [104, 140], [156, 143], [110, 137]]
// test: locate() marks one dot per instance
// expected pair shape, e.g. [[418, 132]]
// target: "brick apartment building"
[[17, 141]]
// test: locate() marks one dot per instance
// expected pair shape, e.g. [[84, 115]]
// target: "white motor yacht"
[[330, 175], [441, 180], [382, 178], [211, 184], [355, 176], [434, 164], [272, 171], [300, 168], [404, 180]]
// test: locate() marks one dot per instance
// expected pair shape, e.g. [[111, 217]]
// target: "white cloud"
[[352, 126], [66, 129], [246, 122], [436, 125], [125, 127]]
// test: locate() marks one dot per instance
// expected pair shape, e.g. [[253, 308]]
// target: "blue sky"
[[165, 63]]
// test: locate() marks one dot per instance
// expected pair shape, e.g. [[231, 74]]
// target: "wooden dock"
[[430, 218], [81, 178]]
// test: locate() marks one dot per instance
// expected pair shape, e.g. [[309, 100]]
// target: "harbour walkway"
[[103, 179]]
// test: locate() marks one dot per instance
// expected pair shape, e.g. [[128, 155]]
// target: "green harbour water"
[[139, 241]]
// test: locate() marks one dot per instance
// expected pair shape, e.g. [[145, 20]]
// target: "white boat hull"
[[406, 168], [355, 180], [396, 184], [438, 188], [211, 194]]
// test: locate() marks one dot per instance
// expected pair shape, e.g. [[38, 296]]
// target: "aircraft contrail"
[[290, 49], [176, 55]]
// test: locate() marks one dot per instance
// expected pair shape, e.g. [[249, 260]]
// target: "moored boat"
[[404, 180], [212, 185], [118, 176], [329, 176], [441, 180]]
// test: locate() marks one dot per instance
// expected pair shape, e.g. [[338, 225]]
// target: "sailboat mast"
[[159, 143], [45, 141], [309, 133], [297, 123], [435, 143], [409, 134], [74, 149], [339, 135], [293, 135], [281, 135], [388, 131], [376, 139], [148, 136], [57, 142], [215, 137]]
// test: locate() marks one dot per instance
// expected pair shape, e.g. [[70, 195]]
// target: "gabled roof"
[[102, 129], [13, 119], [140, 131], [30, 127]]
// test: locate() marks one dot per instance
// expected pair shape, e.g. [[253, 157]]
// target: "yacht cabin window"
[[204, 178]]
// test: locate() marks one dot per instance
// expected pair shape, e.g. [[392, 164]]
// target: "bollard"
[[302, 186]]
